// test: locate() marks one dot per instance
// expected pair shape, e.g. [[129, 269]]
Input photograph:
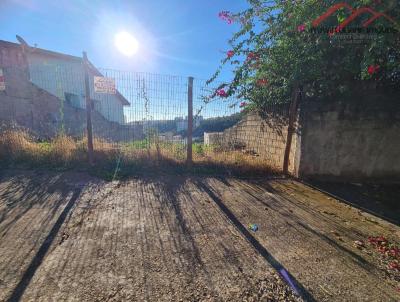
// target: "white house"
[[182, 123], [63, 76]]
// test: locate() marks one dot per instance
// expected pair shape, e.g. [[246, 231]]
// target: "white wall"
[[58, 76]]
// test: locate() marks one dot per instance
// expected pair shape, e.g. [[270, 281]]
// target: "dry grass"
[[65, 150], [18, 147], [235, 161]]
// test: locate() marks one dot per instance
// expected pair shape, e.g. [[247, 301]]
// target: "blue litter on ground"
[[253, 227]]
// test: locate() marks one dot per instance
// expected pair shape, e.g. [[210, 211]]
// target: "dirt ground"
[[71, 237]]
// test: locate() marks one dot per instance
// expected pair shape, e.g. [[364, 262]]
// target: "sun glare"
[[126, 43]]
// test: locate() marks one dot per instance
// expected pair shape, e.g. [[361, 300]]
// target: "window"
[[72, 99]]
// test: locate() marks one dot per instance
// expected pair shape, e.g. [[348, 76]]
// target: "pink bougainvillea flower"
[[223, 15], [226, 16], [394, 266], [380, 240], [338, 28], [332, 31], [255, 65], [373, 69], [243, 104], [301, 28], [382, 249], [262, 82], [244, 20], [394, 252], [222, 93], [252, 56], [230, 53]]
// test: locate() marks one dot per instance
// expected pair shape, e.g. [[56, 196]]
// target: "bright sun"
[[126, 43]]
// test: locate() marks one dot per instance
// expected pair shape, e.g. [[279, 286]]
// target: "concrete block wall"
[[213, 138], [265, 136], [351, 141]]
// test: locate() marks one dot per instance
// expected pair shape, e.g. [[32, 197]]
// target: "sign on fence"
[[2, 81], [104, 85]]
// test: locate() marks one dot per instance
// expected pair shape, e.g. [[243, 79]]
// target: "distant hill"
[[162, 126], [213, 124], [217, 124]]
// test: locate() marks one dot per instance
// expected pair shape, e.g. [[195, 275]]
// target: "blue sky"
[[180, 37]]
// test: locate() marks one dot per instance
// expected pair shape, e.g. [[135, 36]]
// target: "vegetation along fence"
[[68, 114]]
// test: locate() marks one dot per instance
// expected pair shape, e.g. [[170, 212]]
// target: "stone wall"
[[351, 141], [264, 136]]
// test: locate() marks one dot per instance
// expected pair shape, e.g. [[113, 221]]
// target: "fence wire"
[[143, 123]]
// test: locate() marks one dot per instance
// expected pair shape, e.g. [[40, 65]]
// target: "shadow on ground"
[[67, 236], [378, 199]]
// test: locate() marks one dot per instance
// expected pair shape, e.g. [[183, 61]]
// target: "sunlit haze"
[[126, 43], [172, 37]]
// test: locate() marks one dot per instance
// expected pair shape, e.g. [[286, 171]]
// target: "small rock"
[[358, 244], [64, 237]]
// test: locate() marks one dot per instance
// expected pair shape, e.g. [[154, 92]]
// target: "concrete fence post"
[[291, 128], [89, 127]]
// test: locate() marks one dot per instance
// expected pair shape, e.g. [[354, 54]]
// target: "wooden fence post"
[[88, 110], [291, 128], [189, 157]]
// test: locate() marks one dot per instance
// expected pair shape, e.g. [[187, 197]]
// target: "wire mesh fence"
[[154, 117], [140, 120]]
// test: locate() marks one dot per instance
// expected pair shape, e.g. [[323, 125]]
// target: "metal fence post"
[[291, 128], [88, 110], [189, 157]]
